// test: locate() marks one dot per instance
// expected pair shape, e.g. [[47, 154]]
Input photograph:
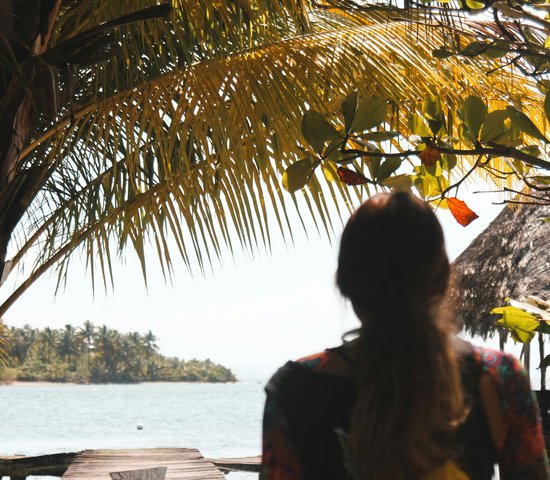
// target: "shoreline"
[[44, 383]]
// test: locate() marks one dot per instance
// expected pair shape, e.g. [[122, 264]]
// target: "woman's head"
[[393, 267], [392, 253]]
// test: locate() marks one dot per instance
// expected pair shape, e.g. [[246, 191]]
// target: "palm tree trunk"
[[27, 25]]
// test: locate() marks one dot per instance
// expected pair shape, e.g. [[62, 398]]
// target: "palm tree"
[[121, 126], [48, 339], [150, 343], [68, 345], [87, 333], [107, 343]]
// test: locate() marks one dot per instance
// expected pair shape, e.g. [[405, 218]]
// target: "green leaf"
[[545, 363], [373, 164], [298, 174], [474, 5], [434, 170], [448, 161], [522, 325], [330, 171], [431, 186], [370, 113], [532, 150], [431, 110], [317, 130], [399, 183], [382, 136], [474, 49], [389, 166], [498, 49], [334, 149], [545, 219], [493, 126], [524, 123], [474, 112], [544, 179], [418, 126], [349, 107], [442, 53]]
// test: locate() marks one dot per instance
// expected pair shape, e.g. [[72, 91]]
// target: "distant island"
[[91, 354]]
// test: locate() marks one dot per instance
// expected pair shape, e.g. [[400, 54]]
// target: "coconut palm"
[[48, 339], [20, 342], [86, 335], [67, 348], [150, 343], [127, 124]]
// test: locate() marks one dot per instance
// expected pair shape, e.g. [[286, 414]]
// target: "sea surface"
[[220, 420]]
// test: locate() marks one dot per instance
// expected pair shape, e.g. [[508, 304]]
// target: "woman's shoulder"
[[491, 359], [316, 361], [500, 365], [339, 361]]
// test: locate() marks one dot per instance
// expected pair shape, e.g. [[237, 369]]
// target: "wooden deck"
[[100, 463], [181, 463], [18, 467], [243, 464]]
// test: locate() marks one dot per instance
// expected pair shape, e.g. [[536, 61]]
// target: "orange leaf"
[[461, 211], [429, 156], [351, 177]]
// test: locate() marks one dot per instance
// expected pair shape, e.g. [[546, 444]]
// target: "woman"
[[407, 399]]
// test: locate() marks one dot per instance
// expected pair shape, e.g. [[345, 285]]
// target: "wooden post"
[[543, 368], [527, 358]]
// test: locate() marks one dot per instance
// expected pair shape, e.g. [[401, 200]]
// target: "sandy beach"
[[17, 383]]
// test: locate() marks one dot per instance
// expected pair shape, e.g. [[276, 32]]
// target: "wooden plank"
[[242, 464], [21, 466], [157, 473], [181, 464]]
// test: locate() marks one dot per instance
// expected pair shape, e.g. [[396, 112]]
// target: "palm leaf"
[[196, 153]]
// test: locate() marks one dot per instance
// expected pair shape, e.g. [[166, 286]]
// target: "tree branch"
[[494, 150]]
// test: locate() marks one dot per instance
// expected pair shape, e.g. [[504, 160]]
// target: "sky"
[[251, 314]]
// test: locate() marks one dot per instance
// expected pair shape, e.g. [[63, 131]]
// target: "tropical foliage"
[[91, 354], [504, 144], [127, 123], [498, 141], [524, 320]]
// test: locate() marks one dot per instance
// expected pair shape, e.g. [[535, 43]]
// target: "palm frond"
[[181, 136], [204, 146]]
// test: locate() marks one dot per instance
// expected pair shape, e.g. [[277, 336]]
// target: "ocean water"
[[220, 420]]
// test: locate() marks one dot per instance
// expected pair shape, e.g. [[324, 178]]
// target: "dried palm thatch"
[[508, 259]]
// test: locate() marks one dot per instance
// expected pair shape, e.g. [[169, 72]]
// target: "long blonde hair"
[[393, 267]]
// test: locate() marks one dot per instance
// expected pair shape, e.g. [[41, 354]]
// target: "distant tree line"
[[91, 354]]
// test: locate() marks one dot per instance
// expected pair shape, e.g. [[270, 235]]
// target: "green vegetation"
[[524, 320], [91, 354], [362, 141]]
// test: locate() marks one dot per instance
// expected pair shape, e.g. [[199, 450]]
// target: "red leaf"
[[351, 177], [461, 211], [429, 156]]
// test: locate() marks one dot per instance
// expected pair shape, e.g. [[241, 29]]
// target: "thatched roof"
[[511, 258]]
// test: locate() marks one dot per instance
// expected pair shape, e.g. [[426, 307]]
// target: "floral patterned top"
[[521, 453]]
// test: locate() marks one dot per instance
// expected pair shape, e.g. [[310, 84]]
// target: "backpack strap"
[[488, 393]]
